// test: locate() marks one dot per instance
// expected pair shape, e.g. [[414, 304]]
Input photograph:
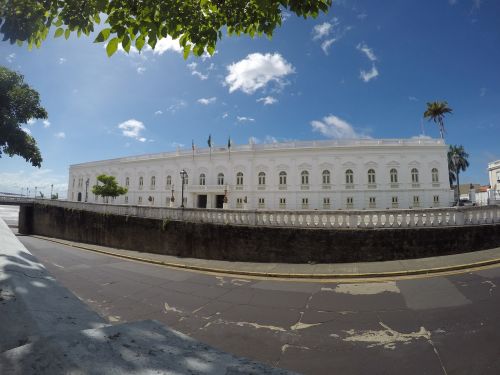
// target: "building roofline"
[[294, 145]]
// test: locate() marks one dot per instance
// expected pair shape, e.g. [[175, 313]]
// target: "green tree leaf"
[[58, 32], [112, 46], [102, 36], [67, 33]]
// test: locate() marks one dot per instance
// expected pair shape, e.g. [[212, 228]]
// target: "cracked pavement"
[[436, 325]]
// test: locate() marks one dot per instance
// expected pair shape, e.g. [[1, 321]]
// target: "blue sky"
[[365, 69]]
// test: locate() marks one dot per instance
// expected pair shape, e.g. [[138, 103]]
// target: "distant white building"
[[342, 174], [494, 176]]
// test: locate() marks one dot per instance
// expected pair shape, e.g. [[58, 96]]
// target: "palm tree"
[[435, 112], [457, 154]]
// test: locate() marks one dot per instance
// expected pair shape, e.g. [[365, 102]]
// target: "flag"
[[192, 146], [210, 141], [229, 146]]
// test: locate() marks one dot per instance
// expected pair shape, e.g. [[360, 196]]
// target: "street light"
[[183, 176], [456, 163], [35, 191], [86, 189], [51, 190]]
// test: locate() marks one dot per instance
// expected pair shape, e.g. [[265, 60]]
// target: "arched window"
[[202, 179], [371, 176], [186, 179], [153, 182], [262, 178], [414, 175], [127, 181], [282, 176], [326, 177], [239, 178], [435, 175], [394, 176], [349, 177], [304, 177], [169, 180], [220, 179], [141, 182]]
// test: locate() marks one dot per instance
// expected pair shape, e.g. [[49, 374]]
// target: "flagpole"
[[192, 146]]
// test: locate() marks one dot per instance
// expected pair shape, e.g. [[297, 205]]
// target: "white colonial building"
[[342, 174]]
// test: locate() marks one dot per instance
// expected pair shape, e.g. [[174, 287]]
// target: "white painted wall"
[[293, 158]]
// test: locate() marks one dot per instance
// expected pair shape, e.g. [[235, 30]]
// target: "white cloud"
[[62, 60], [267, 139], [26, 130], [46, 123], [10, 58], [245, 119], [483, 91], [31, 121], [179, 104], [325, 45], [421, 136], [270, 139], [41, 178], [207, 101], [256, 71], [140, 70], [367, 76], [363, 47], [132, 129], [177, 145], [267, 100], [334, 127], [192, 66], [166, 44], [225, 115], [60, 135], [322, 30], [413, 99], [159, 112]]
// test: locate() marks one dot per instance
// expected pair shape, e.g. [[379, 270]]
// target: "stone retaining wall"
[[254, 244]]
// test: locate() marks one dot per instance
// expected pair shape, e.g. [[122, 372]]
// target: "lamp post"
[[183, 176], [51, 190], [35, 191], [86, 189], [456, 162]]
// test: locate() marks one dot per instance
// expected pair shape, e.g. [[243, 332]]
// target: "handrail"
[[327, 219]]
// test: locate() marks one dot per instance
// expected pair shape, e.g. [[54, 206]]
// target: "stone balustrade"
[[331, 219]]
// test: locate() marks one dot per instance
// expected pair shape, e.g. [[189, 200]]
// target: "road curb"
[[303, 276]]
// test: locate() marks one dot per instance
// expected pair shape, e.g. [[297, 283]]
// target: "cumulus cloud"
[[166, 44], [413, 99], [159, 112], [267, 100], [26, 130], [207, 101], [367, 76], [325, 45], [257, 70], [334, 127], [225, 115], [244, 119], [62, 60], [322, 30], [31, 121], [193, 67], [60, 135], [46, 123], [132, 129], [140, 69], [363, 47], [10, 58], [178, 105]]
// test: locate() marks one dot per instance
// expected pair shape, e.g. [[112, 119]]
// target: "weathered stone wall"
[[259, 244]]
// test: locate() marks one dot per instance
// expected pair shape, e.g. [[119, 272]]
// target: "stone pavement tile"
[[196, 289], [434, 292], [267, 318], [303, 287], [273, 298], [259, 344], [329, 300], [471, 351], [342, 359]]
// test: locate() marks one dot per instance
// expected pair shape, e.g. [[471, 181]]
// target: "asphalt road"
[[435, 325]]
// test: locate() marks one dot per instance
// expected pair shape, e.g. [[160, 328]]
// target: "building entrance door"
[[79, 197], [202, 201], [219, 201]]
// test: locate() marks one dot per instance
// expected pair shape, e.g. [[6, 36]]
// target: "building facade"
[[341, 174]]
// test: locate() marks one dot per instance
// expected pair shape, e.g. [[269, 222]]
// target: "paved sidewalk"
[[370, 270]]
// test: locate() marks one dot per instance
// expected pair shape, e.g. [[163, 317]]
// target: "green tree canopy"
[[436, 111], [198, 23], [109, 187], [18, 104]]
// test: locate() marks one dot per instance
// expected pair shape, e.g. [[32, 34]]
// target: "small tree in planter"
[[109, 187]]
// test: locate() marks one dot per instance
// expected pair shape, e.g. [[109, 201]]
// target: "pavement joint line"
[[288, 276]]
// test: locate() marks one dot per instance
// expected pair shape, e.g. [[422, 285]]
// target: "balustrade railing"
[[394, 218]]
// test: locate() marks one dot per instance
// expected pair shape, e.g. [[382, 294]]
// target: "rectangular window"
[[416, 201], [139, 201], [372, 202], [326, 202], [349, 202], [262, 203], [395, 203], [282, 202], [239, 202], [305, 202], [435, 199], [126, 199]]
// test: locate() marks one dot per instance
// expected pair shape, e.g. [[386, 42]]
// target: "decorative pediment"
[[393, 163], [303, 166], [348, 164], [262, 168], [371, 164], [414, 163], [282, 167], [324, 166]]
